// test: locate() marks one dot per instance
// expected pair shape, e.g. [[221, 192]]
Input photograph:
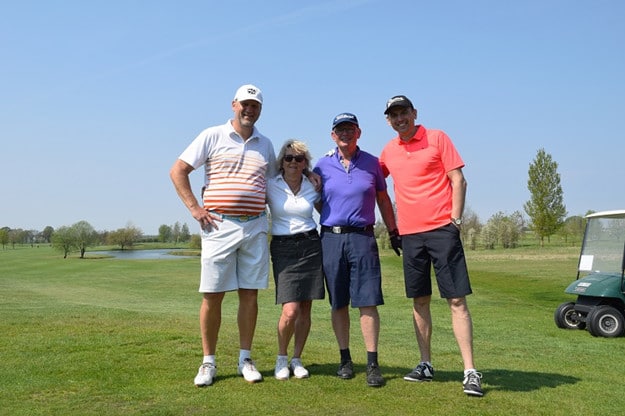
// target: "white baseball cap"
[[249, 92]]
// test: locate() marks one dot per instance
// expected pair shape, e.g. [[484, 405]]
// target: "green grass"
[[120, 337]]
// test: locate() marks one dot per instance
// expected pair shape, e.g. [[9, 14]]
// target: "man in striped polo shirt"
[[237, 159]]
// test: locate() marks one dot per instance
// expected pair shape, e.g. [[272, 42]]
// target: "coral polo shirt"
[[419, 169]]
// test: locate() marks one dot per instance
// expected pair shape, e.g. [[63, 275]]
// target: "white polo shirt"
[[291, 214]]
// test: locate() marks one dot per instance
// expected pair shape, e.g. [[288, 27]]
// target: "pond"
[[156, 254]]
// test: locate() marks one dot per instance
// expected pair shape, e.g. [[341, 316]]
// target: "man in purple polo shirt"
[[352, 184]]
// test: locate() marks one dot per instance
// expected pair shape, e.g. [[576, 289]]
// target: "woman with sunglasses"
[[295, 253]]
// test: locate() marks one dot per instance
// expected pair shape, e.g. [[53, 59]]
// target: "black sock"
[[372, 358], [345, 355]]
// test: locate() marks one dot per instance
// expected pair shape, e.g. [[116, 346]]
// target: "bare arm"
[[179, 175], [314, 178], [459, 192], [386, 210]]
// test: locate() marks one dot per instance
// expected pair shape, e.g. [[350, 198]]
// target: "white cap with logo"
[[249, 92]]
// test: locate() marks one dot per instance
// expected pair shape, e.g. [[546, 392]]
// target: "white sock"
[[470, 370], [243, 354], [209, 359]]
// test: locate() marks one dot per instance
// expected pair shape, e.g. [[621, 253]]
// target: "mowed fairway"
[[120, 337]]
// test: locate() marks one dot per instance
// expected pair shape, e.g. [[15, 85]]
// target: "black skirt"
[[297, 267]]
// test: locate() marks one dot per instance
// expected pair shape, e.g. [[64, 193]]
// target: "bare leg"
[[370, 327], [210, 321], [340, 324], [422, 320], [302, 327], [463, 329], [246, 318], [286, 326]]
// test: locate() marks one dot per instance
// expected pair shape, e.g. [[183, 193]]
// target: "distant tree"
[[26, 236], [510, 230], [125, 237], [175, 232], [381, 235], [4, 237], [185, 234], [103, 236], [546, 207], [85, 235], [573, 228], [46, 234], [15, 236], [502, 229], [64, 240], [470, 229], [488, 235], [195, 241], [164, 233]]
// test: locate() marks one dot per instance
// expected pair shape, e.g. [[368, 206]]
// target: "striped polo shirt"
[[236, 170]]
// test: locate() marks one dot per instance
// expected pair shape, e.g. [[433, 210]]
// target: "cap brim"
[[248, 99], [405, 105], [345, 121]]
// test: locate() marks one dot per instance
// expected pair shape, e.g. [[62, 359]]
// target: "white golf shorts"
[[236, 256]]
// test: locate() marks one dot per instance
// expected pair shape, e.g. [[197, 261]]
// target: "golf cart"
[[600, 284]]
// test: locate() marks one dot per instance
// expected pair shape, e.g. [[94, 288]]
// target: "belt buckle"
[[244, 218], [336, 229]]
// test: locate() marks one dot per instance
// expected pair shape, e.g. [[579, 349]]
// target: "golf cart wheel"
[[566, 317], [605, 321]]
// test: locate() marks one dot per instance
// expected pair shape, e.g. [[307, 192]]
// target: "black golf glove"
[[395, 241]]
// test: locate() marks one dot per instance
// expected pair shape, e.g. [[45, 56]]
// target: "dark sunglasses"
[[298, 158]]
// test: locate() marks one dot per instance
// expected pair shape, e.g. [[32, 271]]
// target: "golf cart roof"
[[619, 213]]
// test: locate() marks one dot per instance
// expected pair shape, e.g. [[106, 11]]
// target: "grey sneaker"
[[472, 384], [422, 372], [205, 375], [346, 370], [249, 372]]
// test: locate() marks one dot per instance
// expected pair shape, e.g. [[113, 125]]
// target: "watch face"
[[458, 221]]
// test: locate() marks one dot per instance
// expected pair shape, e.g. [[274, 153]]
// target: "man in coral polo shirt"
[[430, 191]]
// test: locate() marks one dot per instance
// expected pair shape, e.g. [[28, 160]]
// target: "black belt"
[[342, 229], [298, 236]]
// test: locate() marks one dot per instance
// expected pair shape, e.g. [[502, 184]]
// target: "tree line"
[[81, 235], [545, 209]]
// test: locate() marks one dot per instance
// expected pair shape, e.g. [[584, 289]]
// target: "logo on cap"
[[248, 92], [344, 118], [398, 100]]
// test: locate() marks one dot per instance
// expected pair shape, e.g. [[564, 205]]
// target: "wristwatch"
[[457, 221]]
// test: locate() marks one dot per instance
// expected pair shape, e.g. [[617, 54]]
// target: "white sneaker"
[[205, 375], [299, 371], [282, 371], [249, 372]]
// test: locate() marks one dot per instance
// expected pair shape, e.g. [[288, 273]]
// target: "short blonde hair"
[[299, 147]]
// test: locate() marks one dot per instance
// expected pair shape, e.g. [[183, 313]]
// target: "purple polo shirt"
[[349, 198]]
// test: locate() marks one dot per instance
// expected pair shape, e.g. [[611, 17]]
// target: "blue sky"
[[100, 98]]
